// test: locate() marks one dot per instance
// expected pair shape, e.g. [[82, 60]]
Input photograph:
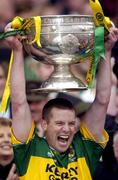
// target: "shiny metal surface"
[[65, 39]]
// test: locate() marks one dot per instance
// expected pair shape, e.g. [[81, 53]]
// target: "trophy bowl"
[[65, 40]]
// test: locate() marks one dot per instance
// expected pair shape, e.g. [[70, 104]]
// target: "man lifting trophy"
[[65, 151], [63, 40]]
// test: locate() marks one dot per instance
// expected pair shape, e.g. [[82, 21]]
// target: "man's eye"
[[72, 124], [1, 135], [59, 123]]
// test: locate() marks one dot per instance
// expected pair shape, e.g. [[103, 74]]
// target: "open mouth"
[[63, 139]]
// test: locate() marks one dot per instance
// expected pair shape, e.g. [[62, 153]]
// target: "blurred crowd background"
[[36, 72]]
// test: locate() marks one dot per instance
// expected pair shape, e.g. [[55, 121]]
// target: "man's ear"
[[44, 124]]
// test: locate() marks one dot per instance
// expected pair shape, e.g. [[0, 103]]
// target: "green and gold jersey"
[[35, 160]]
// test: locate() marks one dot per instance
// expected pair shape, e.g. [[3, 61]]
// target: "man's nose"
[[66, 127], [7, 138]]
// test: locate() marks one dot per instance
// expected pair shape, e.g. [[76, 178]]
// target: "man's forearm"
[[17, 77], [103, 86]]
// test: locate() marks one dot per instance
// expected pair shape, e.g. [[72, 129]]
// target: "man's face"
[[60, 129], [5, 141]]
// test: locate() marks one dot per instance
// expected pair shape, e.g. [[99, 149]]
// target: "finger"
[[8, 27], [12, 172], [114, 32], [15, 177], [113, 35], [13, 169], [20, 38]]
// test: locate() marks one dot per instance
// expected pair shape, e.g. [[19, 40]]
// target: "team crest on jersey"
[[71, 154]]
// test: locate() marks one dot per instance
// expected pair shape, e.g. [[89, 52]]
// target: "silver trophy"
[[65, 40]]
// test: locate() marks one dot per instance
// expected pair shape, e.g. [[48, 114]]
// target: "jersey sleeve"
[[87, 148], [15, 141], [87, 135]]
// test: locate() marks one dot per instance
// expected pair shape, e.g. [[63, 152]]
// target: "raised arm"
[[112, 106], [20, 109], [94, 118]]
